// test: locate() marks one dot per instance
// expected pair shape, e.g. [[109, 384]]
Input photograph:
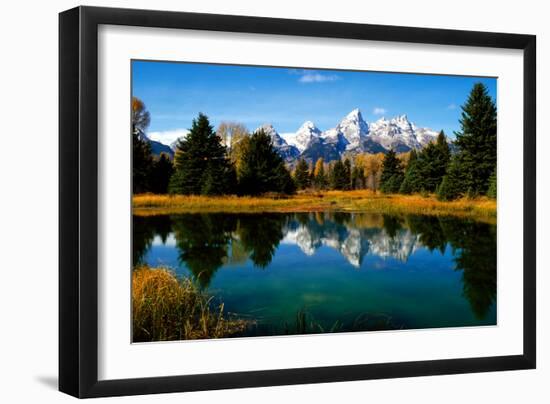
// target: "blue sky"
[[174, 94]]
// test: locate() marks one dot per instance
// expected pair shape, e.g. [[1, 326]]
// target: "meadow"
[[367, 201]]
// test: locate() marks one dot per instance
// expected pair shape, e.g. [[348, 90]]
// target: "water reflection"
[[207, 242]]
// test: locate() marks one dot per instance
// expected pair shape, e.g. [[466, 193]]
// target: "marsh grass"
[[305, 323], [347, 201], [166, 308]]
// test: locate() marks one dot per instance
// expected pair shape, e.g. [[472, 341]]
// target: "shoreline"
[[361, 201]]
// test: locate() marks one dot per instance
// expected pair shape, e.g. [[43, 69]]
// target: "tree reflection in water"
[[206, 242]]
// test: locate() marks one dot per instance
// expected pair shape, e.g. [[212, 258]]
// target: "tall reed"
[[166, 308]]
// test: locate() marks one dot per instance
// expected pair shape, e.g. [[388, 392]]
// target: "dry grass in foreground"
[[349, 201], [166, 309]]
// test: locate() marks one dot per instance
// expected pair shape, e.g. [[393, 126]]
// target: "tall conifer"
[[392, 173], [201, 164]]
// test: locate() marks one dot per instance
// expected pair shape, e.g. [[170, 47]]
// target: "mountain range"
[[352, 135]]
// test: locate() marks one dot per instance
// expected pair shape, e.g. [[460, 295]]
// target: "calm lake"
[[321, 272]]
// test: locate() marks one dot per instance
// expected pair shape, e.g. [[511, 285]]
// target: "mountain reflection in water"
[[202, 245]]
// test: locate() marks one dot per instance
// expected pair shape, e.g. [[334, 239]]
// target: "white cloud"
[[451, 106], [167, 137], [379, 111], [317, 78]]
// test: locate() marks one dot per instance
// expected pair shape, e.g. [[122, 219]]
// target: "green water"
[[321, 272]]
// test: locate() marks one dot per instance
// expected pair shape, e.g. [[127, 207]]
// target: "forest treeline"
[[232, 161]]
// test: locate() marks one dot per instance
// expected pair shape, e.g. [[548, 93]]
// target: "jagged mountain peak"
[[269, 130], [401, 118], [308, 125], [306, 135], [354, 116], [351, 135], [355, 113], [354, 129], [287, 151]]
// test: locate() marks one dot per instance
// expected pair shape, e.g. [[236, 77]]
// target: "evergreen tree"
[[477, 140], [319, 177], [262, 169], [451, 184], [392, 173], [412, 181], [142, 163], [492, 190], [339, 178], [160, 175], [201, 165], [433, 163], [301, 175], [347, 173], [443, 149]]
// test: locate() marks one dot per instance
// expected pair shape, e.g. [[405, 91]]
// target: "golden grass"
[[348, 201], [166, 308]]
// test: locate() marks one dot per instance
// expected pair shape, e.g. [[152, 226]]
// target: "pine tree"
[[201, 164], [477, 140], [433, 162], [392, 173], [412, 181], [142, 163], [492, 190], [262, 169], [339, 178], [451, 185], [319, 176], [160, 175], [301, 175], [444, 150], [347, 173]]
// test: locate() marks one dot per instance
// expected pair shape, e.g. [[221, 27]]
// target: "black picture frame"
[[78, 201]]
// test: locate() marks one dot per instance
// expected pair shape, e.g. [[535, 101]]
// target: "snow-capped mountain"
[[305, 136], [354, 135], [400, 134], [350, 136], [353, 129], [288, 152]]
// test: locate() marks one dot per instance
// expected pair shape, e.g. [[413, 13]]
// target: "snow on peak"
[[304, 137], [400, 134], [269, 130], [353, 128], [287, 151], [402, 118], [355, 113], [308, 125], [352, 134]]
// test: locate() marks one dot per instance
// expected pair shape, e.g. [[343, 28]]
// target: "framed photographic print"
[[251, 201]]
